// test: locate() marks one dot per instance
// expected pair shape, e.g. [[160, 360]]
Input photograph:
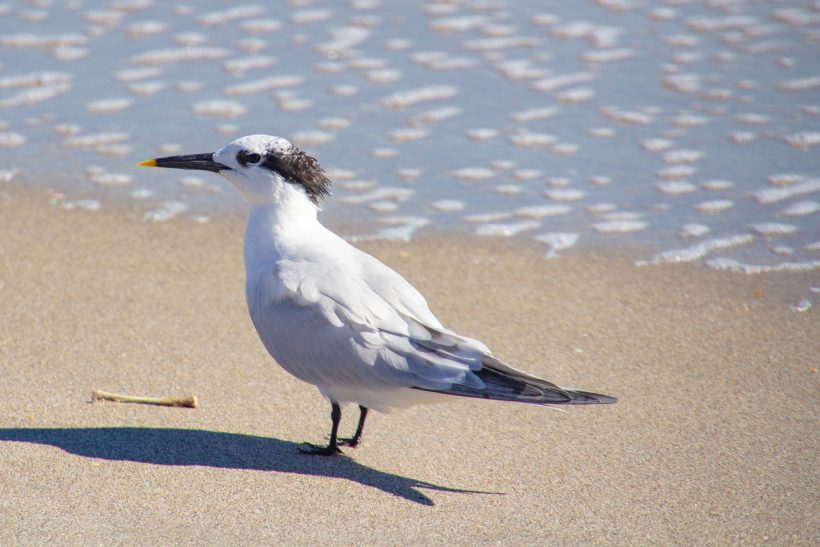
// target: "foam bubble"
[[675, 188], [108, 106], [742, 137], [507, 189], [400, 228], [626, 116], [785, 179], [382, 206], [189, 87], [527, 174], [565, 194], [564, 149], [502, 165], [93, 140], [699, 250], [717, 185], [49, 41], [487, 217], [533, 114], [112, 179], [383, 76], [357, 185], [295, 105], [689, 120], [772, 229], [554, 83], [458, 23], [244, 64], [713, 206], [35, 79], [482, 134], [803, 305], [264, 84], [379, 194], [601, 132], [677, 172], [773, 195], [7, 174], [343, 90], [384, 153], [801, 208], [11, 140], [529, 139], [175, 55], [506, 229], [732, 265], [408, 174], [35, 95], [312, 138], [504, 42], [166, 211], [227, 129], [542, 211], [221, 108], [221, 17], [146, 89], [608, 55], [309, 16], [600, 208], [557, 241], [693, 230], [682, 156], [472, 173], [435, 115], [146, 28], [85, 204], [657, 145], [140, 193], [799, 84], [334, 123], [408, 134], [619, 226], [803, 140], [261, 26], [404, 99], [447, 205]]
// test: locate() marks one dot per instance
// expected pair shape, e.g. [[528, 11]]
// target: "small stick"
[[187, 402]]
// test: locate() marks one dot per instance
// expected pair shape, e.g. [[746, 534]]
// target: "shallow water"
[[690, 129]]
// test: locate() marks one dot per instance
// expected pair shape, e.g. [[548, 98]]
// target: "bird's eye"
[[245, 158]]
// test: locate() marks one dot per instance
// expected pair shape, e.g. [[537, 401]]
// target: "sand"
[[714, 439]]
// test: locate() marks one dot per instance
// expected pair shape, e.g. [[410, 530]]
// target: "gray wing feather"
[[375, 330]]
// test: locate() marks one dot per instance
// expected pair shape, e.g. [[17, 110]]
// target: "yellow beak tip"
[[148, 163]]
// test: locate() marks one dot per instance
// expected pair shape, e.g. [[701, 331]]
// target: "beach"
[[713, 439]]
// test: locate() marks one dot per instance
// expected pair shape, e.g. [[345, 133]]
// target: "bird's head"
[[262, 167]]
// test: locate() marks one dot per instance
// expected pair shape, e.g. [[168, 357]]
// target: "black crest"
[[297, 167]]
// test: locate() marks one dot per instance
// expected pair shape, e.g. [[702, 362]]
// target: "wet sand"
[[714, 439]]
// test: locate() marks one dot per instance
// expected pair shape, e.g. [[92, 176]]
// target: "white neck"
[[280, 226]]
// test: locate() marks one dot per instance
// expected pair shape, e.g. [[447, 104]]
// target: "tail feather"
[[505, 383]]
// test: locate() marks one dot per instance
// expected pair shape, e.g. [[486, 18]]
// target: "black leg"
[[332, 448], [354, 440]]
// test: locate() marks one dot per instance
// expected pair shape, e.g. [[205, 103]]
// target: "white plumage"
[[336, 317]]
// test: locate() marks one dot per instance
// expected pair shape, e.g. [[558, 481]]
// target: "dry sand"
[[714, 440]]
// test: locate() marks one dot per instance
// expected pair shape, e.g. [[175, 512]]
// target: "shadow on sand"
[[215, 449]]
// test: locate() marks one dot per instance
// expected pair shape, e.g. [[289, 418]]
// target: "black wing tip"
[[588, 398]]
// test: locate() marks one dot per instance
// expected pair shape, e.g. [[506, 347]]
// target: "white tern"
[[334, 316]]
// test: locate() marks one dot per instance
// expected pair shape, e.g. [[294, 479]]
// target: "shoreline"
[[640, 256], [712, 440]]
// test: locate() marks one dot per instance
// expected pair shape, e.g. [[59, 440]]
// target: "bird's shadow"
[[186, 447]]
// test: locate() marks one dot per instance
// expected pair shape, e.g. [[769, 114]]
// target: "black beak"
[[200, 162]]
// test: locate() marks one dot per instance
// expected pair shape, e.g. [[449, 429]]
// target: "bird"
[[336, 317]]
